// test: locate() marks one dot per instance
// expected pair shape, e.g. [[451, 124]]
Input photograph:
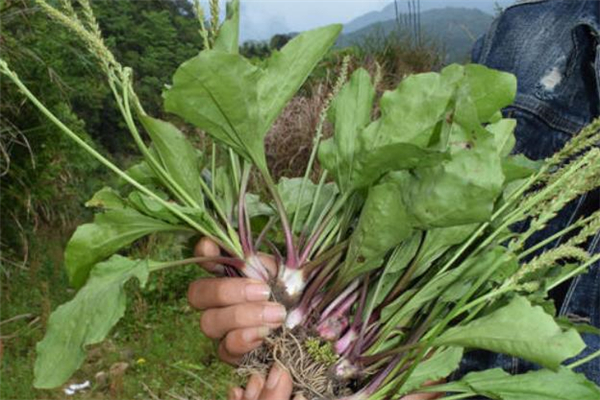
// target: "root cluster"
[[312, 378]]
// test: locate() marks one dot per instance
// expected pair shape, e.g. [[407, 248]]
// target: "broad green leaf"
[[460, 191], [370, 165], [218, 92], [519, 167], [286, 70], [229, 32], [411, 117], [292, 196], [237, 102], [503, 132], [177, 155], [439, 366], [412, 112], [563, 384], [151, 207], [110, 232], [518, 329], [106, 198], [141, 173], [84, 320], [256, 208], [350, 112], [382, 225], [425, 115], [490, 90]]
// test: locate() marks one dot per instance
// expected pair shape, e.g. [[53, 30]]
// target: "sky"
[[263, 18]]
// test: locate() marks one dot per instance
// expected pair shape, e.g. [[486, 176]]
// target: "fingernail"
[[257, 292], [299, 397], [274, 377], [252, 335], [251, 392], [274, 313]]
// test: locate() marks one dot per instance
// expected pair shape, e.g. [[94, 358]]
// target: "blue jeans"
[[552, 47]]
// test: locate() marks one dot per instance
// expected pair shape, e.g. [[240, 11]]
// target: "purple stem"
[[292, 256], [275, 251], [349, 290]]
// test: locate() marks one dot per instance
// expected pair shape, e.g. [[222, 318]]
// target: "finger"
[[242, 341], [227, 357], [222, 292], [299, 396], [278, 385], [217, 322], [268, 261], [254, 387], [239, 342], [208, 248], [235, 394]]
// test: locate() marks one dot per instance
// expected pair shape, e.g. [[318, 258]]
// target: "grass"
[[158, 339]]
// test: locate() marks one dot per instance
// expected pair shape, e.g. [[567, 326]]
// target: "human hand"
[[277, 386], [236, 310]]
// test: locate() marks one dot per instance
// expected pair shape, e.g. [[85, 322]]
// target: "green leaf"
[[256, 208], [286, 70], [218, 92], [517, 329], [503, 131], [411, 116], [460, 191], [152, 208], [177, 155], [394, 268], [438, 241], [237, 102], [385, 214], [370, 165], [142, 173], [490, 90], [519, 167], [349, 112], [566, 323], [225, 190], [290, 190], [110, 232], [535, 385], [106, 198], [84, 320], [439, 366], [229, 32]]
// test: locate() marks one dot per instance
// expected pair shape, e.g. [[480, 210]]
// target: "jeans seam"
[[559, 123]]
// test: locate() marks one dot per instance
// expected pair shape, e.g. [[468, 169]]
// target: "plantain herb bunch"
[[401, 257]]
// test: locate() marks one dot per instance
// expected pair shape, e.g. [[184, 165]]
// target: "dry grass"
[[289, 143]]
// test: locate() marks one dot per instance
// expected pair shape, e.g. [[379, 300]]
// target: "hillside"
[[388, 12], [454, 29]]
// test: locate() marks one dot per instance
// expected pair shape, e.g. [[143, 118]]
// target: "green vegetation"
[[394, 243], [453, 30], [158, 338]]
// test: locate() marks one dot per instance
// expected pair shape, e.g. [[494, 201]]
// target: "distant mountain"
[[455, 29], [389, 11]]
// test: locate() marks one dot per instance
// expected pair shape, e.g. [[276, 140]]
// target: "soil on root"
[[311, 377]]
